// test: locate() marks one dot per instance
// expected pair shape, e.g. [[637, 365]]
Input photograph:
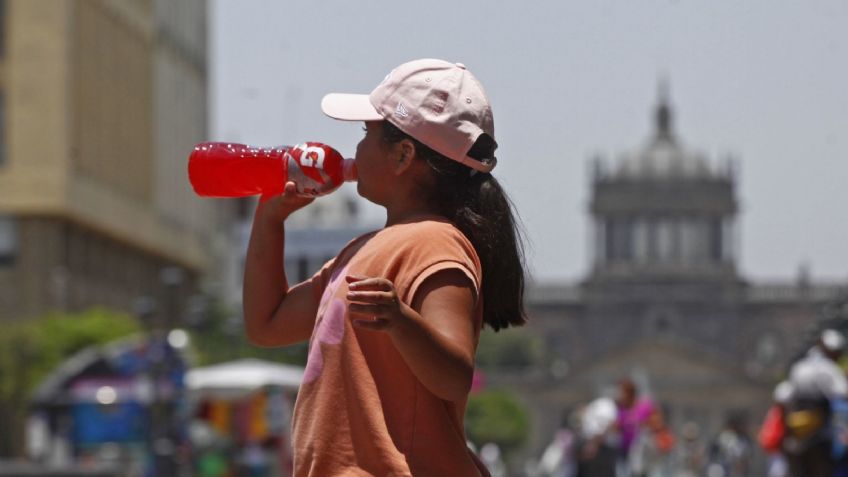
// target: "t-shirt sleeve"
[[438, 267], [434, 250]]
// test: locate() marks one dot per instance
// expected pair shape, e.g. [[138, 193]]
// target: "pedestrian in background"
[[731, 451], [773, 431], [817, 381], [632, 411], [598, 447], [559, 459], [651, 451], [690, 454]]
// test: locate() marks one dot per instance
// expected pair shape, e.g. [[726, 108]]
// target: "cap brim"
[[349, 107]]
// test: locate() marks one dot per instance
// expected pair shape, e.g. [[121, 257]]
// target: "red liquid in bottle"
[[219, 169]]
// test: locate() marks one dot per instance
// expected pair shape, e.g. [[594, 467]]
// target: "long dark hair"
[[478, 206]]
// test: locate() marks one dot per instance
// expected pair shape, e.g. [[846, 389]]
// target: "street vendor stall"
[[242, 417]]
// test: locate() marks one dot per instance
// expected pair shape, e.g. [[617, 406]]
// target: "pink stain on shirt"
[[330, 328]]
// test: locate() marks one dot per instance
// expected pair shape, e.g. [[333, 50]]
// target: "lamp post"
[[166, 426], [160, 315]]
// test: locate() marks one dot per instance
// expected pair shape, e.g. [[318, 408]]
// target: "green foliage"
[[513, 348], [497, 416], [220, 337], [30, 349]]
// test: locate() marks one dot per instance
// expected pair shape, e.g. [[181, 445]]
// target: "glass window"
[[8, 240]]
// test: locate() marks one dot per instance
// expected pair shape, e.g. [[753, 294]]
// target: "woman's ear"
[[405, 156]]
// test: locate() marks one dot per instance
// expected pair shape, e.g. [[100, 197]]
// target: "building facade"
[[664, 303], [101, 102]]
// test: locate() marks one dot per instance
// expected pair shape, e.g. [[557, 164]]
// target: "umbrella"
[[241, 377]]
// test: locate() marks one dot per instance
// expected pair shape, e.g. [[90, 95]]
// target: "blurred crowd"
[[804, 433], [628, 436], [806, 430]]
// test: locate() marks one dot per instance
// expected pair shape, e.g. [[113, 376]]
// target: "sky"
[[765, 81]]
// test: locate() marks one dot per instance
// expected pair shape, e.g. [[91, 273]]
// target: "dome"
[[663, 156]]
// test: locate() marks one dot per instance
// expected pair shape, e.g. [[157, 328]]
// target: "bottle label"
[[312, 156], [306, 170]]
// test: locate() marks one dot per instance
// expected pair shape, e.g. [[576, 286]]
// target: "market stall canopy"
[[242, 377], [127, 358]]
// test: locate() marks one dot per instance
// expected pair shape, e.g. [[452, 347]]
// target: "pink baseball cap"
[[439, 103]]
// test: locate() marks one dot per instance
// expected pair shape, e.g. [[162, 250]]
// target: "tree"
[[498, 417], [516, 349], [220, 337], [31, 349]]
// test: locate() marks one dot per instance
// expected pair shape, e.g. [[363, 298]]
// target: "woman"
[[394, 319]]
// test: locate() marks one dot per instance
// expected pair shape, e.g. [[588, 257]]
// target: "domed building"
[[663, 302], [664, 212]]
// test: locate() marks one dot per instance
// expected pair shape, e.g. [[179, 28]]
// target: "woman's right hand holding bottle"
[[277, 208]]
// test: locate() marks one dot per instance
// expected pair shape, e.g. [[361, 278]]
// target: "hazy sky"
[[764, 80]]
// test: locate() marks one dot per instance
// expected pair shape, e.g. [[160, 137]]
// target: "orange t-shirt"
[[360, 409]]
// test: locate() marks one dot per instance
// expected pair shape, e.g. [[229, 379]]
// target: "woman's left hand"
[[439, 350], [376, 301]]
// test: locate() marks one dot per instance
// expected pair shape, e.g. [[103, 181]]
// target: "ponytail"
[[478, 206]]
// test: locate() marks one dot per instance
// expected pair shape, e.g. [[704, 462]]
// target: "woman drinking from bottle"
[[394, 319]]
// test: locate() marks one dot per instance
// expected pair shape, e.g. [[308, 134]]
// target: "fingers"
[[375, 299], [280, 206], [290, 190], [377, 325], [384, 297], [291, 196], [359, 282], [373, 303]]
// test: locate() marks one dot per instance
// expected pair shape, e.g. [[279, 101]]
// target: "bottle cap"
[[349, 170]]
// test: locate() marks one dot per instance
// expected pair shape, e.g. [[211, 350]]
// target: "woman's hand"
[[277, 208], [375, 301], [438, 349]]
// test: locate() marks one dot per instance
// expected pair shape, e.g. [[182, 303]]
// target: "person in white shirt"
[[817, 374], [816, 381]]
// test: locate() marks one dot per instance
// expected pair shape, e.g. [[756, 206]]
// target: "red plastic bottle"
[[220, 169]]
